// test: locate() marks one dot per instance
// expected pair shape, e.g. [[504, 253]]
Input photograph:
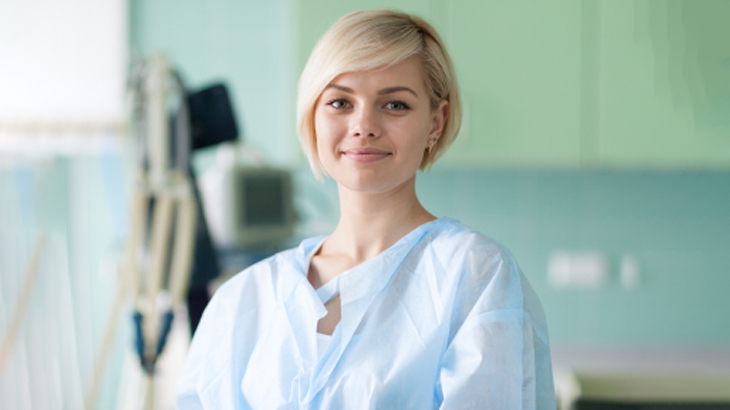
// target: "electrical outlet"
[[578, 270]]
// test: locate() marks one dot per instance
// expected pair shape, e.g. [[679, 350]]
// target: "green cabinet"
[[519, 66], [572, 83], [663, 84]]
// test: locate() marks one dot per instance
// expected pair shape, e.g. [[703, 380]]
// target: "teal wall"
[[676, 223]]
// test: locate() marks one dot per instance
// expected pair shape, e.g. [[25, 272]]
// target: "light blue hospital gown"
[[443, 319]]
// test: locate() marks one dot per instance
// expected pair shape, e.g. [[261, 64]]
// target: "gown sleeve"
[[209, 356], [499, 356], [188, 385]]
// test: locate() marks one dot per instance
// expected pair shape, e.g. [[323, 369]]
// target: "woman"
[[396, 309]]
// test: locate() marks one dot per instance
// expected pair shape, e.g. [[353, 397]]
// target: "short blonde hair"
[[366, 40]]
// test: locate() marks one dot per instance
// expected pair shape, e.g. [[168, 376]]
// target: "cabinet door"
[[519, 67], [664, 84]]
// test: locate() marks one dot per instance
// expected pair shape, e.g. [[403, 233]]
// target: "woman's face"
[[373, 127]]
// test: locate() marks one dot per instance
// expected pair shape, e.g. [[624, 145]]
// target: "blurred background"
[[595, 146]]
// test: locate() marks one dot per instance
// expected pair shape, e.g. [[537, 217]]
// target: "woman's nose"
[[365, 123]]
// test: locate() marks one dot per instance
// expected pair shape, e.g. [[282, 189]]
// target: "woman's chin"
[[374, 183]]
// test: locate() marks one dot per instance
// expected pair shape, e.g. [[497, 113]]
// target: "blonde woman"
[[395, 309]]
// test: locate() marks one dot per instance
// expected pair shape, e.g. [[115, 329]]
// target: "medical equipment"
[[164, 216], [247, 206]]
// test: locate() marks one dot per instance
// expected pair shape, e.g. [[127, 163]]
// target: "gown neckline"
[[320, 242]]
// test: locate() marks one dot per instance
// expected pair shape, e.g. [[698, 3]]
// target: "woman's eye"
[[396, 106], [338, 104]]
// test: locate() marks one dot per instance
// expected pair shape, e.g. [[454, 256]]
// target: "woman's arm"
[[499, 358]]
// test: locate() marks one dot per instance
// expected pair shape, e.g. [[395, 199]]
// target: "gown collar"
[[358, 288]]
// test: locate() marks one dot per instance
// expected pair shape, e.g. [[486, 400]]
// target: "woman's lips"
[[365, 154]]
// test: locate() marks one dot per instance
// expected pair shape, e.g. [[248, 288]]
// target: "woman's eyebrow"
[[339, 87], [391, 90]]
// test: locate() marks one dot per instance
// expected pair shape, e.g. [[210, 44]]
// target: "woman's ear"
[[439, 119]]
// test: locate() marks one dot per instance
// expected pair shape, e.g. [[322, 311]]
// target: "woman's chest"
[[390, 355]]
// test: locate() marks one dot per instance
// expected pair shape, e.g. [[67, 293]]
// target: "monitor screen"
[[263, 196]]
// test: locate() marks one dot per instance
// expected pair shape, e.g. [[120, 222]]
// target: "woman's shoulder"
[[459, 241], [489, 277]]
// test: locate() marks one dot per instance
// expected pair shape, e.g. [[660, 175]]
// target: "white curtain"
[[79, 205], [62, 114]]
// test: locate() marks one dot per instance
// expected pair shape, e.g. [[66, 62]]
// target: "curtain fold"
[[72, 201]]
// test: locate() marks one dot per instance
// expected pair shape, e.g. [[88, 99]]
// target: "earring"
[[431, 143]]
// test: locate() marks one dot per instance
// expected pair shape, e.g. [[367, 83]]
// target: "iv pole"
[[162, 239]]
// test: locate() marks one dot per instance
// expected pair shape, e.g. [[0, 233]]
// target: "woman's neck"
[[372, 222]]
